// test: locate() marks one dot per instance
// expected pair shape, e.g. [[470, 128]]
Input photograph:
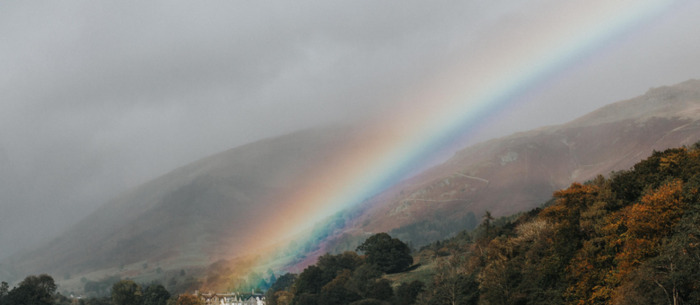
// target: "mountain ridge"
[[197, 203], [198, 213], [520, 171]]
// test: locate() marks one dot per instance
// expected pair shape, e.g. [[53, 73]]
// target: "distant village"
[[233, 298]]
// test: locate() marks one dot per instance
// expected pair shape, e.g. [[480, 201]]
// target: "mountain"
[[210, 209], [521, 171], [629, 239], [192, 216]]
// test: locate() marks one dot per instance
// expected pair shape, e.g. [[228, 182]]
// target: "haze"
[[99, 97]]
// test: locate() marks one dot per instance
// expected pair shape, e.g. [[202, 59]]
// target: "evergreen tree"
[[390, 255]]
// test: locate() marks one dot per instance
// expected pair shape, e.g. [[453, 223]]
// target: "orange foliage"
[[647, 222], [570, 202]]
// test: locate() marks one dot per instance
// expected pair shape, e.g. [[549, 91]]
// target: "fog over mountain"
[[99, 97]]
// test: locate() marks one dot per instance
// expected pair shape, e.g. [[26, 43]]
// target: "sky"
[[97, 97]]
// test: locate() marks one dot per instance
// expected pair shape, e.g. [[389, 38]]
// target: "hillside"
[[212, 209], [191, 217], [519, 172], [630, 239]]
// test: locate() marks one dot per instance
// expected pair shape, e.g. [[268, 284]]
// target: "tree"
[[188, 299], [453, 284], [126, 292], [362, 278], [647, 223], [96, 301], [310, 281], [279, 291], [271, 277], [282, 298], [33, 290], [335, 292], [390, 255], [332, 264], [155, 295], [381, 290], [407, 293], [4, 289], [487, 219]]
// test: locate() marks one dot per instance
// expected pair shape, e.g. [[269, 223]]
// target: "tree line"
[[633, 238], [350, 278], [41, 290]]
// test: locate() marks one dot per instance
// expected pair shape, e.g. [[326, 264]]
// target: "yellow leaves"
[[576, 194], [284, 297], [616, 242], [669, 161], [570, 202], [657, 212], [647, 223]]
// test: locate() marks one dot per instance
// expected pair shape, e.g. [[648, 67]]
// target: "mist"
[[100, 97]]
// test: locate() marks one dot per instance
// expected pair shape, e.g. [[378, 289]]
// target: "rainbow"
[[488, 80]]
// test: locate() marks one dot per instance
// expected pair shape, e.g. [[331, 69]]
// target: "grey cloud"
[[98, 97]]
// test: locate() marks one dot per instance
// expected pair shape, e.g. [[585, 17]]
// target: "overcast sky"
[[97, 97]]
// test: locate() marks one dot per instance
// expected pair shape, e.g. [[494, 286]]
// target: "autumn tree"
[[188, 299], [453, 283], [647, 223]]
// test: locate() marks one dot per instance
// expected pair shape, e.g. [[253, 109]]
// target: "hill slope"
[[192, 216], [521, 171], [210, 209], [629, 239]]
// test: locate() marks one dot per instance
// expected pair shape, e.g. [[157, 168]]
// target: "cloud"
[[98, 97]]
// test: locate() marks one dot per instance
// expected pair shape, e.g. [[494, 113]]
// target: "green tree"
[[126, 292], [381, 290], [332, 264], [390, 255], [4, 289], [310, 281], [407, 293], [362, 278], [155, 294], [487, 220], [283, 284], [96, 301], [33, 290], [335, 292]]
